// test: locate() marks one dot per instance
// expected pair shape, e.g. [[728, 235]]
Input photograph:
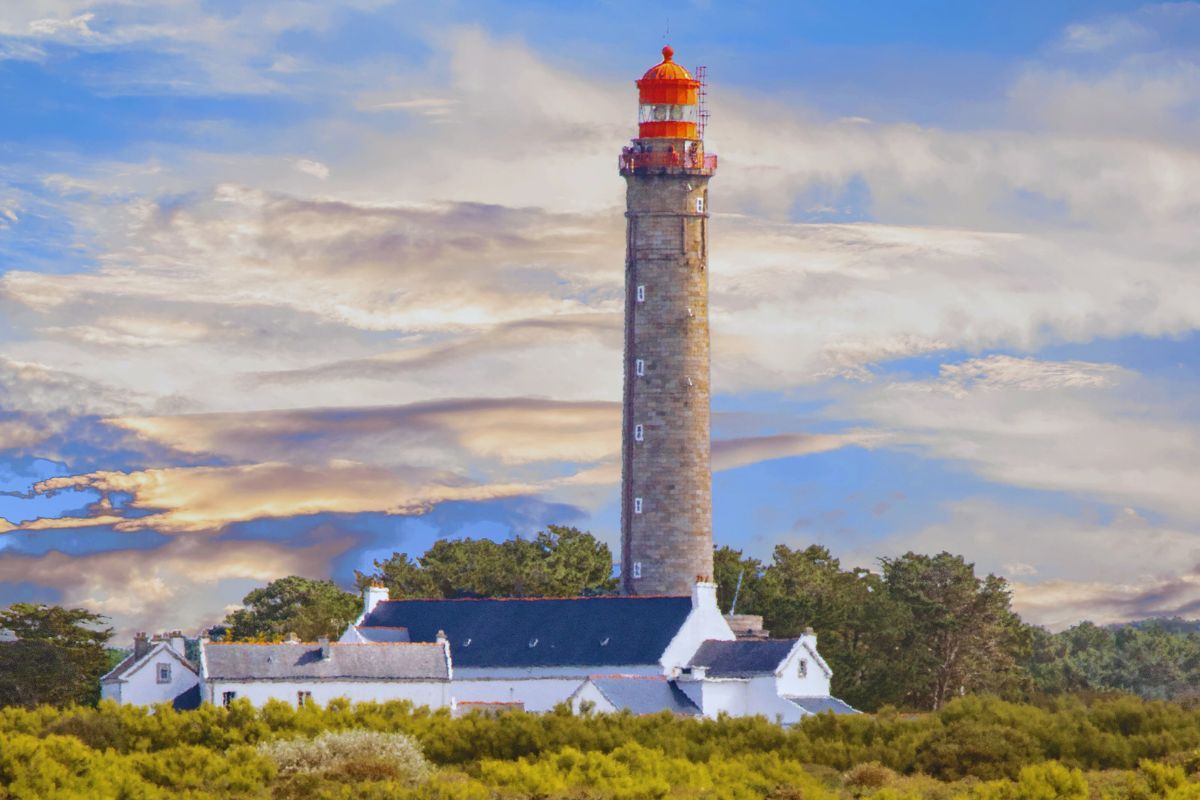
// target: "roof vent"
[[533, 642], [604, 642], [467, 643]]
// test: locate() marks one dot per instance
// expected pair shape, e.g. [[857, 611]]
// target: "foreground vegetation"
[[976, 748]]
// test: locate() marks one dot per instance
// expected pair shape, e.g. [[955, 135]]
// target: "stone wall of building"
[[667, 473]]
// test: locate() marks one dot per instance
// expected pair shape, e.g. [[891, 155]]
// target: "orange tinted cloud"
[[186, 499]]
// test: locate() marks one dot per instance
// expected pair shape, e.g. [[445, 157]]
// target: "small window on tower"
[[637, 569], [699, 205], [637, 505], [639, 433], [641, 294], [639, 367]]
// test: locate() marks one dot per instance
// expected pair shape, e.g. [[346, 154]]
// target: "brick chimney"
[[747, 626], [141, 644]]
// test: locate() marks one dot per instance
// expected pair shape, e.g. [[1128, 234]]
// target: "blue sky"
[[287, 287]]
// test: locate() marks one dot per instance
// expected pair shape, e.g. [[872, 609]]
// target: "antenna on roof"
[[736, 592]]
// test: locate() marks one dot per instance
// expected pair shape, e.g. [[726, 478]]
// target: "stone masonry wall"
[[669, 543]]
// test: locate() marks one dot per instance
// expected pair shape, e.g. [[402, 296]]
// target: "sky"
[[288, 287]]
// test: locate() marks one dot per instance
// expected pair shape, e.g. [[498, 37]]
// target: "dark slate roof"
[[189, 700], [815, 705], [300, 661], [541, 632], [381, 634], [743, 658], [646, 695]]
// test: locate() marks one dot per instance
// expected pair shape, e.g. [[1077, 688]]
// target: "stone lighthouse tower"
[[666, 476]]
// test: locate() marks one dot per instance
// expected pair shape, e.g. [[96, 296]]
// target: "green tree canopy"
[[58, 657], [303, 606], [920, 631], [959, 633], [558, 562]]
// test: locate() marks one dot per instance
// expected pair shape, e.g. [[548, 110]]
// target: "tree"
[[58, 657], [303, 606], [560, 561], [959, 634], [850, 609], [736, 574]]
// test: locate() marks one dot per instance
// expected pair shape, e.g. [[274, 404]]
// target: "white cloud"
[[1093, 37], [54, 27], [313, 168], [441, 263], [1066, 567], [1087, 429]]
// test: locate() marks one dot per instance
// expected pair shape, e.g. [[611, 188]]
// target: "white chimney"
[[373, 595], [704, 594], [179, 643]]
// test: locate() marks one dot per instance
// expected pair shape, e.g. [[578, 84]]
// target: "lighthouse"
[[666, 473]]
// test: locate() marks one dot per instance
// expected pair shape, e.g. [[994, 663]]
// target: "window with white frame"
[[639, 366], [639, 433], [227, 698], [802, 668], [641, 294], [699, 205], [164, 673], [303, 698], [637, 569], [637, 505]]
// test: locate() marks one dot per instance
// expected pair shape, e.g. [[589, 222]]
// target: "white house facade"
[[639, 654], [783, 680], [155, 672], [535, 652], [317, 672]]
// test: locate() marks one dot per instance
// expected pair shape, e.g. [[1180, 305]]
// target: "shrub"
[[1050, 781], [868, 775], [357, 755]]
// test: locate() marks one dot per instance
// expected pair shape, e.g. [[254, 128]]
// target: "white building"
[[637, 694], [643, 654], [537, 651], [157, 671], [302, 672], [783, 680]]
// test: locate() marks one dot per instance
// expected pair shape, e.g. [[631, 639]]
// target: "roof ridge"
[[318, 644], [531, 599]]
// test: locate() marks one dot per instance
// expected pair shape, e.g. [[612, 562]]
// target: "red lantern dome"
[[668, 98]]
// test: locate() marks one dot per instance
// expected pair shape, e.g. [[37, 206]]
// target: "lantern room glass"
[[667, 112]]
